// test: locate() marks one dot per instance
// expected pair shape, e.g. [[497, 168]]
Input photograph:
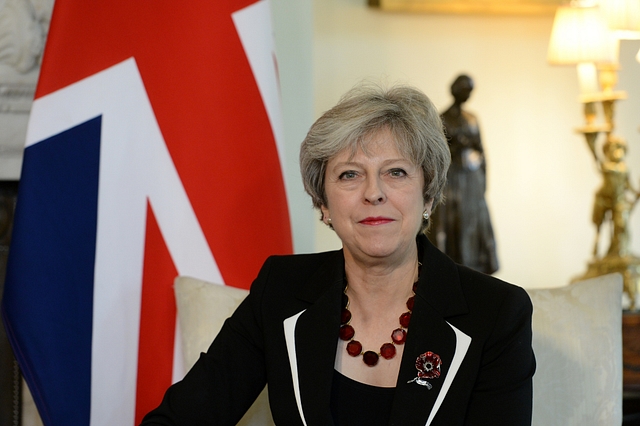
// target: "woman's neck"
[[377, 281]]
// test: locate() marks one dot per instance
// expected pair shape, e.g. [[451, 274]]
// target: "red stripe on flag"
[[157, 321]]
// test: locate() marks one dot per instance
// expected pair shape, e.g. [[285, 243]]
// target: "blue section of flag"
[[48, 297]]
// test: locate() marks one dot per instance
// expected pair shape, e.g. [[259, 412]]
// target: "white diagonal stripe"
[[462, 345], [290, 337]]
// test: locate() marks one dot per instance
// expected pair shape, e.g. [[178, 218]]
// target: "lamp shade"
[[622, 17], [580, 34]]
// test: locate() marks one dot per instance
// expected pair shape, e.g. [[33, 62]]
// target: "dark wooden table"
[[631, 368]]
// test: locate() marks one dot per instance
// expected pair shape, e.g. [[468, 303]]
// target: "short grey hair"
[[366, 109]]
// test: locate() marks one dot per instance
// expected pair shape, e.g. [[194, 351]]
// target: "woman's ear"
[[326, 217], [428, 206]]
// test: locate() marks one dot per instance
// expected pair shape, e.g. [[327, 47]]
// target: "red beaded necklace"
[[387, 350]]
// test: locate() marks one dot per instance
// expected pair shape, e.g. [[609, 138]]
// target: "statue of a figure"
[[616, 197], [461, 226], [23, 30]]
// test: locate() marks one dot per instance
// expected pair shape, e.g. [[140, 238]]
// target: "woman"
[[387, 330]]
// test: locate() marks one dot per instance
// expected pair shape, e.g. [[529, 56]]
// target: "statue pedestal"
[[627, 266], [631, 366]]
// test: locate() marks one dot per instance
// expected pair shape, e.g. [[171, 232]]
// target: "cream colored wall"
[[541, 176], [293, 34]]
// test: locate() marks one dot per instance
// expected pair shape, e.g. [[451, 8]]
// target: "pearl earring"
[[425, 215], [328, 221]]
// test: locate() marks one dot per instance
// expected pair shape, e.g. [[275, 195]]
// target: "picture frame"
[[487, 7]]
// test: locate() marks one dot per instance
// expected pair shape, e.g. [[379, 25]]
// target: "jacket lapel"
[[438, 296], [312, 338]]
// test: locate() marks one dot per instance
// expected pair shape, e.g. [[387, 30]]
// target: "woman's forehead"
[[373, 142]]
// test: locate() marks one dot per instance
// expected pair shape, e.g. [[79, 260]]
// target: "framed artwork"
[[490, 7]]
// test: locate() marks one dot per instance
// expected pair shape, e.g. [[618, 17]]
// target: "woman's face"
[[375, 200]]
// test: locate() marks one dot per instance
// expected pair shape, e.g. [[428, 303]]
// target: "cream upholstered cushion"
[[577, 340], [202, 309]]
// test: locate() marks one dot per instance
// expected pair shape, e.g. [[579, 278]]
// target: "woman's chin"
[[383, 248]]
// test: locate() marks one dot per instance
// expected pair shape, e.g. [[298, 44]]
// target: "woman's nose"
[[374, 192]]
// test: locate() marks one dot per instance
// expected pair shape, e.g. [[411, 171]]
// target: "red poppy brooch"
[[428, 365]]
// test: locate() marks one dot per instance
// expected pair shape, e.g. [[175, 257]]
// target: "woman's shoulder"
[[475, 287], [490, 297], [295, 270], [479, 285]]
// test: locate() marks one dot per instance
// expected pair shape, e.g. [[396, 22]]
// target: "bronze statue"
[[461, 226], [613, 204], [616, 197]]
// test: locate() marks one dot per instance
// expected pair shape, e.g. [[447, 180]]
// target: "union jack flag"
[[154, 149]]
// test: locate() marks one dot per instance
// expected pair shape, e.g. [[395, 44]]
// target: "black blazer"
[[285, 334]]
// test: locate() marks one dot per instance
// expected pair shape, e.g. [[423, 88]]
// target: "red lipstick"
[[375, 220]]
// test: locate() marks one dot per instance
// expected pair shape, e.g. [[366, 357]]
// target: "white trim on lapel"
[[290, 338], [462, 345]]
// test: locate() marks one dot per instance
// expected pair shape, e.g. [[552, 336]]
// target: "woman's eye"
[[348, 175], [397, 173]]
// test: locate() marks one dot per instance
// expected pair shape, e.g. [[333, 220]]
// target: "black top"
[[356, 403]]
